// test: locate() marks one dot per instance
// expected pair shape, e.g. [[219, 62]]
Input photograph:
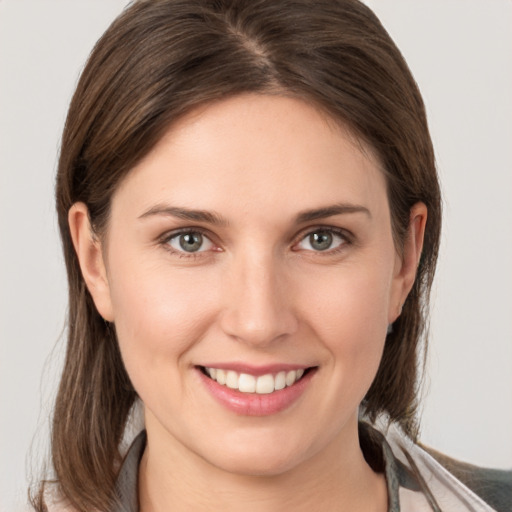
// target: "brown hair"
[[156, 62]]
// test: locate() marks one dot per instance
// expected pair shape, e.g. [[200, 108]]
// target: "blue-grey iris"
[[191, 242], [320, 240]]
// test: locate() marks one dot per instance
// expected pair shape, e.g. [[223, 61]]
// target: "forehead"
[[273, 151]]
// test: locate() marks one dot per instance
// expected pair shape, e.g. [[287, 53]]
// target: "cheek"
[[158, 316], [354, 300], [350, 317]]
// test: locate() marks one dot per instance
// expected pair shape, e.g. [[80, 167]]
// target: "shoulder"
[[494, 486], [446, 483]]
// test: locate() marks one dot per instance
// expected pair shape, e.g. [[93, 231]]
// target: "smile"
[[260, 392], [247, 383]]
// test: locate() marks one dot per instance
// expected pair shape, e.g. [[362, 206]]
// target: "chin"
[[261, 464], [264, 457]]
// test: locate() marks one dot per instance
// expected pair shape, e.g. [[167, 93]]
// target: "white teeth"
[[291, 377], [246, 383], [280, 381], [232, 379], [221, 376], [265, 384]]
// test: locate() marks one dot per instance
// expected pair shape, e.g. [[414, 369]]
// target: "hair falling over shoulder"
[[157, 61]]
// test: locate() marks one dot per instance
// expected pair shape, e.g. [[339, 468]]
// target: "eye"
[[190, 241], [322, 240]]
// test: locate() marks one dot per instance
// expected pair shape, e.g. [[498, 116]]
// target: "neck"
[[336, 478]]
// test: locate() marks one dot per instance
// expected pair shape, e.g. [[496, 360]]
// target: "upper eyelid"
[[312, 229], [164, 240], [179, 231]]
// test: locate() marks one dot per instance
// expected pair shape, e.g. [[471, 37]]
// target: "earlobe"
[[90, 257], [409, 260]]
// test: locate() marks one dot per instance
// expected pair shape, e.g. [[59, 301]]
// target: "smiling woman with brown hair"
[[250, 213]]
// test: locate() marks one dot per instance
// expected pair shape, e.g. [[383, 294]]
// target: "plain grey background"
[[461, 55]]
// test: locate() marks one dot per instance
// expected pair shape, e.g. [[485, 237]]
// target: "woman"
[[250, 214]]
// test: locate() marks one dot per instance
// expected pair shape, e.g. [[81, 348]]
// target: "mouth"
[[265, 384], [250, 391]]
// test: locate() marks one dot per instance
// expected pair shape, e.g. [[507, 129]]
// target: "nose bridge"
[[259, 309]]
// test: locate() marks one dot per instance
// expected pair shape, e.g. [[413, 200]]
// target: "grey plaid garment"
[[397, 476]]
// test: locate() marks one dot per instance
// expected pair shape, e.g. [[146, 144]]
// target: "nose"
[[258, 309]]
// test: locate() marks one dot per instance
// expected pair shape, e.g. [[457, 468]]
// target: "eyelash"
[[347, 238], [166, 239], [341, 233]]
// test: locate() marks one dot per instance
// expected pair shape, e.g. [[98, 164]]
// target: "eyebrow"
[[186, 214], [217, 220], [330, 211]]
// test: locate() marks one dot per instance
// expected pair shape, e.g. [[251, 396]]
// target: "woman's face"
[[254, 240]]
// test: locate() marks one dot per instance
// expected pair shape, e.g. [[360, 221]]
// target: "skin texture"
[[258, 292]]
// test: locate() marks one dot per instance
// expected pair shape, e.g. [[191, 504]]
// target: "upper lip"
[[256, 370]]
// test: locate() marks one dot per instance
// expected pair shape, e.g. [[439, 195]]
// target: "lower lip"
[[254, 404]]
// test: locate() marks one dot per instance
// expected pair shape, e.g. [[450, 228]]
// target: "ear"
[[90, 257], [407, 262]]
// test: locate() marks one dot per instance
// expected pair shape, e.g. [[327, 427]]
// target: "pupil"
[[191, 242], [321, 240]]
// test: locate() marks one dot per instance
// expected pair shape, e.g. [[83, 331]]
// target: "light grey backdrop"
[[461, 55]]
